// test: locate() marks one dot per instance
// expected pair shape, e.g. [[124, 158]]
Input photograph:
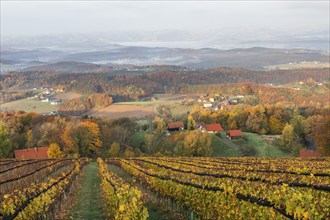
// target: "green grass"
[[256, 141], [137, 139], [29, 105], [221, 149], [88, 203]]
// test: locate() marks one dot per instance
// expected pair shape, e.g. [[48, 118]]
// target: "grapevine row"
[[240, 167], [24, 164], [203, 200], [36, 200], [239, 175], [32, 172], [295, 202], [37, 175], [122, 200]]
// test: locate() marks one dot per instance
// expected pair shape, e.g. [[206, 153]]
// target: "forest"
[[122, 86]]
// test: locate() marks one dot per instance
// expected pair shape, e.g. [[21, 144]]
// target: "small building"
[[45, 100], [211, 128], [55, 102], [309, 153], [207, 104], [32, 153], [175, 126], [232, 134]]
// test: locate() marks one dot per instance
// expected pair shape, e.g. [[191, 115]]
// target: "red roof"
[[234, 133], [32, 153], [309, 153], [177, 124], [213, 127]]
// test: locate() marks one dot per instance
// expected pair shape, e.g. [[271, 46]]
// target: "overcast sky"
[[57, 17]]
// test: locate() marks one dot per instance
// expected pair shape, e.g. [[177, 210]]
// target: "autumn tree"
[[160, 125], [197, 143], [289, 141], [114, 150], [322, 137], [128, 153], [122, 130], [83, 138], [298, 123], [49, 133], [152, 142], [89, 140], [70, 140], [191, 124], [278, 115], [6, 146], [257, 120], [54, 151], [310, 126]]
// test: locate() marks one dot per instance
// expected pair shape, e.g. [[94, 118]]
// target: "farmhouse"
[[175, 126], [309, 153], [232, 134], [211, 128], [32, 153], [207, 105]]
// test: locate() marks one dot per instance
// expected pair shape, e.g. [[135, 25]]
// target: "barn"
[[232, 134], [32, 153], [175, 126]]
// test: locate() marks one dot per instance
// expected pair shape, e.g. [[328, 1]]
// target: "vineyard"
[[187, 188]]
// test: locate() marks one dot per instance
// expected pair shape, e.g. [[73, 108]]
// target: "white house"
[[207, 104]]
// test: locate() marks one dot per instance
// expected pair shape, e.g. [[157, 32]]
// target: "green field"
[[263, 148], [29, 105], [221, 149]]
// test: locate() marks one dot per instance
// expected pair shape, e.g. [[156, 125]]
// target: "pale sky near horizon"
[[57, 17]]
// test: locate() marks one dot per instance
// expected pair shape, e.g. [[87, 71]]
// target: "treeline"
[[81, 105], [6, 96], [135, 86], [90, 137]]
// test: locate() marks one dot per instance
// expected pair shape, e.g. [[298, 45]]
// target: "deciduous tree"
[[6, 146], [54, 151]]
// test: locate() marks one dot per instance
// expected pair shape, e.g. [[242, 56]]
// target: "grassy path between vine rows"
[[88, 203], [156, 210]]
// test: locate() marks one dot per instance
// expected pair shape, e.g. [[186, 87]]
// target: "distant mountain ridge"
[[253, 58], [70, 67]]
